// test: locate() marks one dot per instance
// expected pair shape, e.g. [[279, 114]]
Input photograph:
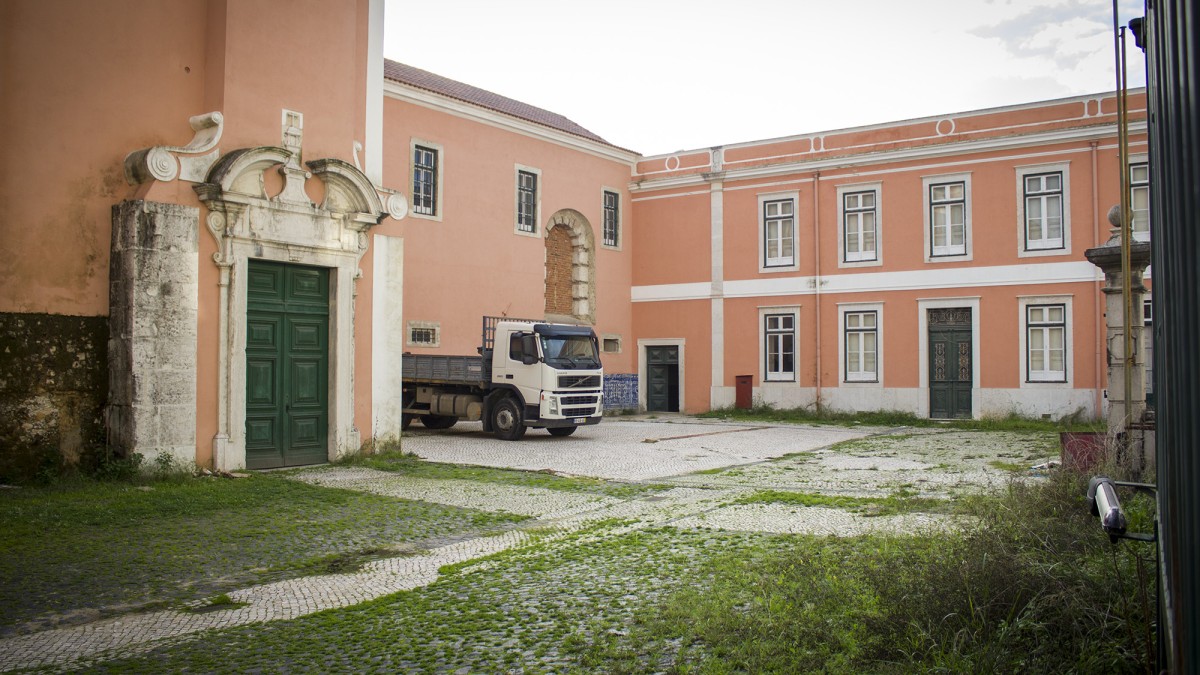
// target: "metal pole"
[[1123, 162]]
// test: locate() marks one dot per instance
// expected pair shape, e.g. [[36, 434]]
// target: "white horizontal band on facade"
[[878, 282]]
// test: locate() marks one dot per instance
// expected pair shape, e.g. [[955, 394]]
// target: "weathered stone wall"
[[153, 301], [53, 378]]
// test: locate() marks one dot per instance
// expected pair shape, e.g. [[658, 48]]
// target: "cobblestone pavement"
[[733, 459]]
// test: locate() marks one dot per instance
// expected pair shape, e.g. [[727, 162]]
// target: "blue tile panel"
[[620, 391]]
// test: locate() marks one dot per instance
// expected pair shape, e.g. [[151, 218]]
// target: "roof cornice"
[[901, 155], [428, 99]]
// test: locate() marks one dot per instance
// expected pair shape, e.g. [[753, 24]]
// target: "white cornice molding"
[[482, 115], [878, 282], [902, 155]]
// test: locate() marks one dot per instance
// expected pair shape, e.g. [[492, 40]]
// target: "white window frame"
[[947, 255], [518, 169], [778, 265], [1062, 246], [764, 337], [842, 191], [1046, 379], [438, 185], [412, 326], [860, 379], [1138, 162], [604, 192]]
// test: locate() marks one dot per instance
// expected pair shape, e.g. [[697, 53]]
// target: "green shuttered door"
[[287, 365]]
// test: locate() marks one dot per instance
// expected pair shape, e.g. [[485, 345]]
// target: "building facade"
[[221, 239], [933, 266]]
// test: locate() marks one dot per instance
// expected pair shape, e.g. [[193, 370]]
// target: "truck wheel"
[[405, 421], [506, 420], [438, 421], [562, 431]]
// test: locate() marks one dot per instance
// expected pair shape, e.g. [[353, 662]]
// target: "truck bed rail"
[[443, 369]]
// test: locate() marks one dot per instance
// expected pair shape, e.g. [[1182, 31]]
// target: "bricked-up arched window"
[[560, 257], [570, 269]]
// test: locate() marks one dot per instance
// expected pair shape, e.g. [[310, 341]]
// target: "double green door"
[[951, 367], [287, 365]]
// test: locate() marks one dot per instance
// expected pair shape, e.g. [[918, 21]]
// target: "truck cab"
[[553, 374]]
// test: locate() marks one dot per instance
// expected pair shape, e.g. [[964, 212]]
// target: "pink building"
[[933, 266], [221, 238]]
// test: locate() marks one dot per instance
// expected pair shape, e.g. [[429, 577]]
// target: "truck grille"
[[578, 381], [579, 412], [579, 400]]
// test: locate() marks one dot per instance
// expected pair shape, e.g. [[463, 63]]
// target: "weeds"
[[1032, 586]]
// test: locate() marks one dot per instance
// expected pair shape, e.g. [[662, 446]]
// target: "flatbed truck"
[[528, 374]]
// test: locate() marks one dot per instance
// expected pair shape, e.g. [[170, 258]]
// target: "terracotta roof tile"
[[423, 79]]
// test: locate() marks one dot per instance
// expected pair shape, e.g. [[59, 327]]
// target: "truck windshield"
[[570, 351]]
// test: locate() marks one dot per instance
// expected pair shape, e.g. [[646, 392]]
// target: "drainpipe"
[[817, 274], [1098, 317]]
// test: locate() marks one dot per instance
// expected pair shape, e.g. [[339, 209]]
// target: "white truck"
[[528, 374]]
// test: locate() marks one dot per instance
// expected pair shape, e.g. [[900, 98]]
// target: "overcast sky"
[[657, 76]]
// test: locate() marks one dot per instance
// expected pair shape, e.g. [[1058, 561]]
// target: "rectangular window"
[[779, 227], [422, 334], [1139, 200], [948, 219], [424, 173], [1043, 211], [858, 226], [1047, 343], [781, 347], [862, 334], [526, 201], [612, 220]]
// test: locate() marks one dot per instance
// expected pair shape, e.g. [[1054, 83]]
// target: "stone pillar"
[[1108, 258], [153, 302]]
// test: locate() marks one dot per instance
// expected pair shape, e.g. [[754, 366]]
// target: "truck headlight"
[[553, 405]]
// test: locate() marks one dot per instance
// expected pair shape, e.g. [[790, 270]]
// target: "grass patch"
[[899, 502], [1034, 586], [896, 418], [119, 546], [1008, 466], [411, 465], [217, 603]]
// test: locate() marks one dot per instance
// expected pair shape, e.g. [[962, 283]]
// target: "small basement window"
[[611, 344], [423, 334]]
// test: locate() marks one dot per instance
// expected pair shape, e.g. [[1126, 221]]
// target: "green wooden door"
[[287, 365], [950, 365], [662, 379]]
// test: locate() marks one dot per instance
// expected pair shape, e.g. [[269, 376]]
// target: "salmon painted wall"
[[471, 262], [82, 88], [691, 321], [673, 241]]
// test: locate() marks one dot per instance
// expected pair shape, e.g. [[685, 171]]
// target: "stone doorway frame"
[[247, 223]]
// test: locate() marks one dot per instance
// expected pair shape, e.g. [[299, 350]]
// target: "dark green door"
[[287, 365], [950, 370], [662, 379]]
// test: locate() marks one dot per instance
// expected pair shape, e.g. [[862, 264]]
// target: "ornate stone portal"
[[246, 224]]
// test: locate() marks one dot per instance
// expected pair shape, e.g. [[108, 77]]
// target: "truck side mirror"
[[529, 355]]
